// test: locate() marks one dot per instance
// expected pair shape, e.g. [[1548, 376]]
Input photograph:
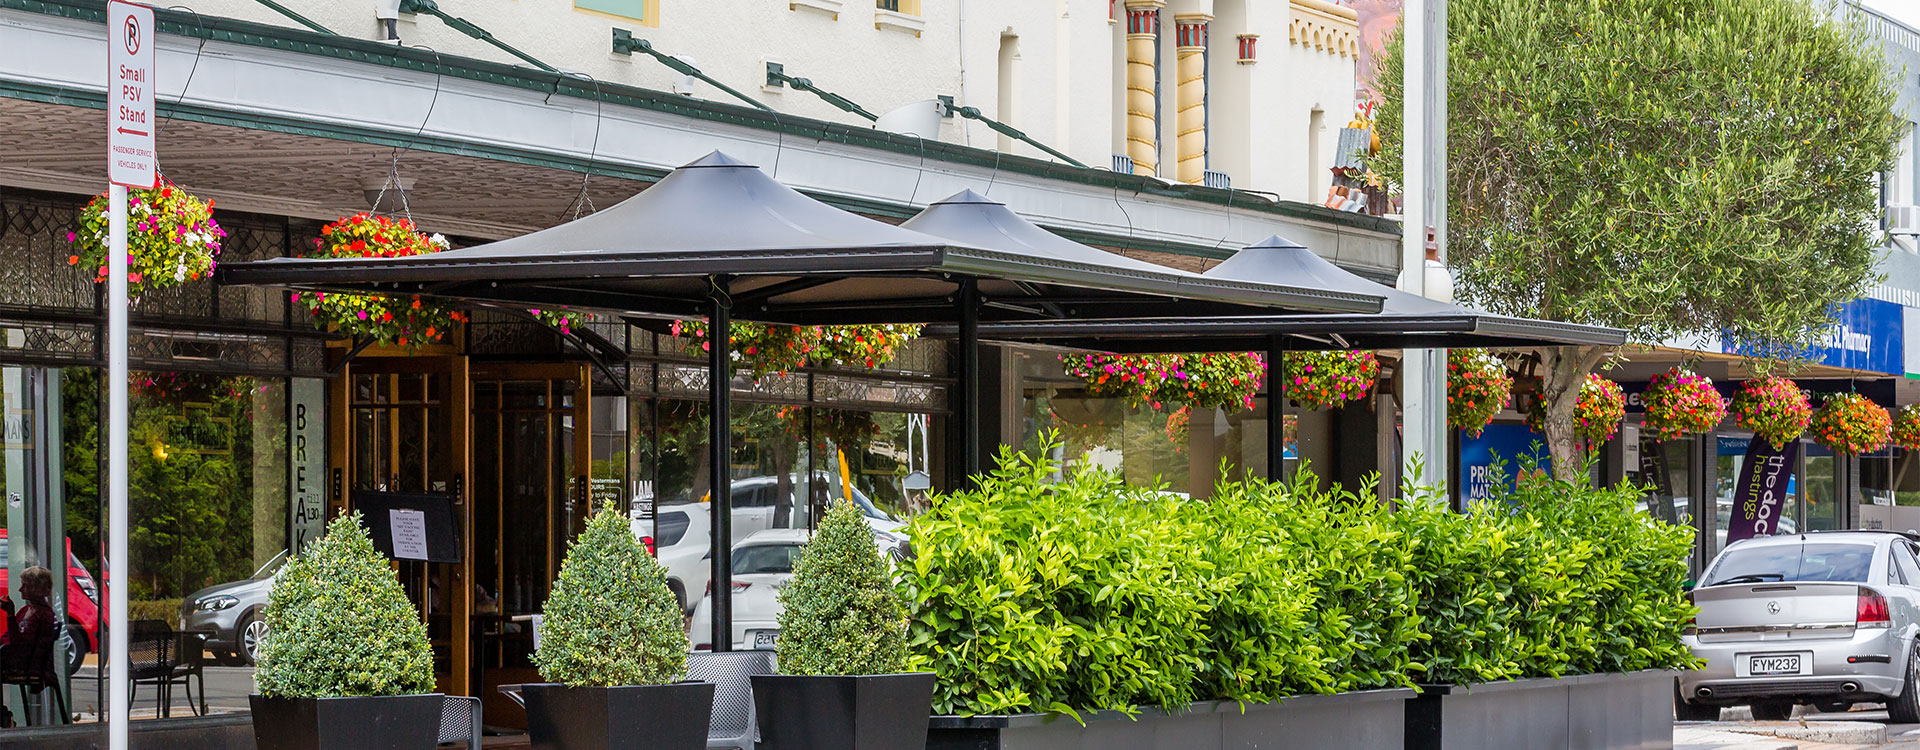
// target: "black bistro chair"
[[189, 659], [150, 658], [31, 677]]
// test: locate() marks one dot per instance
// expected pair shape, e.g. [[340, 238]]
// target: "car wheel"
[[1905, 707], [76, 648], [1776, 710], [250, 630], [1834, 707], [679, 594], [1684, 711]]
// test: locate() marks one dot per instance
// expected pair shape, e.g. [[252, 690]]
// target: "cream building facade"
[[1253, 91]]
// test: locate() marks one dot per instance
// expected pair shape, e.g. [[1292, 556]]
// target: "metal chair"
[[460, 720], [28, 675], [188, 657], [150, 658], [731, 673]]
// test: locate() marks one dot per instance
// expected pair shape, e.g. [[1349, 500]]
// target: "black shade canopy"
[[791, 259], [1406, 321]]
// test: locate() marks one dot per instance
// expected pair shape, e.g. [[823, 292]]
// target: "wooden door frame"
[[458, 403]]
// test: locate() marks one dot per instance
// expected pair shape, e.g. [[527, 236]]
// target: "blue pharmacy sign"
[[1511, 444], [1869, 335]]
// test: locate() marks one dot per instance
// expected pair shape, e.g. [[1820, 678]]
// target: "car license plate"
[[764, 639], [1774, 664]]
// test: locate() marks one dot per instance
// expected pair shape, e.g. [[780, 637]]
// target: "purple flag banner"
[[1761, 495]]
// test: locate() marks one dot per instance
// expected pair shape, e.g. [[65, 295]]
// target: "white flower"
[[439, 240]]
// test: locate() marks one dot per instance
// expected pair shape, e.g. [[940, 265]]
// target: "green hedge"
[[1030, 593]]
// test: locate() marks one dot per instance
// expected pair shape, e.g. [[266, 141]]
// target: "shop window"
[[1890, 476]]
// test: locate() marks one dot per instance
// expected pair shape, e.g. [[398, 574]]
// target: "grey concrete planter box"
[[1367, 720], [1631, 711]]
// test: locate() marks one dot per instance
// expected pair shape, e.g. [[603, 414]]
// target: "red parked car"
[[83, 606]]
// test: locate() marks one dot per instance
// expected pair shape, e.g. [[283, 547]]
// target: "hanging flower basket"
[[406, 321], [1177, 424], [1596, 415], [780, 349], [1773, 408], [1206, 381], [866, 346], [1681, 401], [1478, 387], [1906, 427], [1851, 424], [171, 238], [1319, 380], [849, 430]]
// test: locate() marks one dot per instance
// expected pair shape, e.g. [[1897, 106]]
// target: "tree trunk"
[[1565, 373]]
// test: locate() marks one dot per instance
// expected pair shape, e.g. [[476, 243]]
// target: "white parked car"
[[762, 567], [679, 535]]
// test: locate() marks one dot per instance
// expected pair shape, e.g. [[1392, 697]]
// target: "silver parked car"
[[1823, 618], [230, 614]]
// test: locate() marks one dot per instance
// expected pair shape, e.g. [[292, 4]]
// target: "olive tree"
[[1669, 167]]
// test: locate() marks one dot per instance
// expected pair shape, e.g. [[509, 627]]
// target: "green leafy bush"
[[839, 615], [339, 625], [611, 619], [1031, 594]]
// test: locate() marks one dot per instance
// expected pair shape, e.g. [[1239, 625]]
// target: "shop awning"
[[787, 258], [1406, 321]]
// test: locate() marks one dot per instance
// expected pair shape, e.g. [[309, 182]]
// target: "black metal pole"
[[720, 450], [1276, 409], [969, 413]]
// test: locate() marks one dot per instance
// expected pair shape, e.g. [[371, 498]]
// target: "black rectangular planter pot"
[[1364, 720], [854, 712], [632, 717], [388, 722], [1629, 711]]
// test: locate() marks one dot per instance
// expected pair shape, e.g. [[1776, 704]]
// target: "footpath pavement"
[[1852, 730]]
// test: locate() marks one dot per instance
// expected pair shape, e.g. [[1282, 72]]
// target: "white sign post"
[[130, 163]]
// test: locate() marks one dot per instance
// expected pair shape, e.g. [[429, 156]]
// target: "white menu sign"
[[130, 109], [409, 533]]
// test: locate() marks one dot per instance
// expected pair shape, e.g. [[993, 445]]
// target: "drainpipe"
[[1143, 96], [1190, 93]]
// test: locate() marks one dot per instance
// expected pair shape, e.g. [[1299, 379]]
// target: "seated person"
[[27, 628]]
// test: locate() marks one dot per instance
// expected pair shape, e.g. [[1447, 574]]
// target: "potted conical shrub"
[[612, 643], [842, 651], [345, 663]]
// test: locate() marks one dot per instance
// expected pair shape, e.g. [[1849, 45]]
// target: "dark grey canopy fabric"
[[1406, 321], [790, 259]]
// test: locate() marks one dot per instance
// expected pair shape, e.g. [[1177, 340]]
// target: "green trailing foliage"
[[840, 615], [338, 624], [1030, 594], [611, 619]]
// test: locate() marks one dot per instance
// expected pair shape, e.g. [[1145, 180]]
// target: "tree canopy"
[[1664, 166]]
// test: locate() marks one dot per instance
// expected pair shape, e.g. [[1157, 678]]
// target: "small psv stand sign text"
[[130, 109]]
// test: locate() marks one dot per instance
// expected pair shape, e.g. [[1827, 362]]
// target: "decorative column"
[[1191, 95], [1143, 84]]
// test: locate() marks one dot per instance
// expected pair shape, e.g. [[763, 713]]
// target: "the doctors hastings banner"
[[1766, 480]]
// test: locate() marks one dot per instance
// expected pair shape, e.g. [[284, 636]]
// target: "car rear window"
[[1846, 563], [669, 527], [764, 558]]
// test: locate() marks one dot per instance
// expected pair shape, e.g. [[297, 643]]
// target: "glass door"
[[532, 492], [406, 432]]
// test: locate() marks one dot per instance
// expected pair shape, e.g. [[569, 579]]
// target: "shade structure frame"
[[716, 228]]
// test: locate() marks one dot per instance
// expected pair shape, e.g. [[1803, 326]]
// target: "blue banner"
[[1869, 334], [1511, 444]]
